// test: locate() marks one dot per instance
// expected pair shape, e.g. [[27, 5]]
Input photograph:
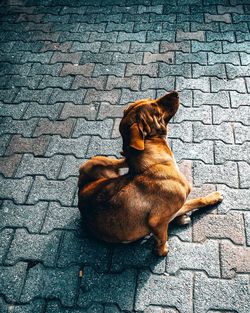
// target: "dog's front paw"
[[163, 250], [217, 196]]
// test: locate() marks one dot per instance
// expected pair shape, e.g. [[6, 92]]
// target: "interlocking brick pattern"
[[68, 70]]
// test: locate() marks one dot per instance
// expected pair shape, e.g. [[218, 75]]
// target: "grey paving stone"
[[61, 218], [40, 96], [48, 190], [152, 47], [111, 96], [244, 169], [75, 69], [220, 98], [6, 236], [48, 127], [19, 144], [194, 26], [60, 95], [191, 151], [237, 71], [197, 35], [225, 152], [199, 57], [156, 36], [39, 248], [241, 133], [215, 46], [236, 84], [101, 128], [86, 46], [202, 114], [16, 215], [9, 164], [220, 226], [216, 36], [11, 281], [58, 145], [42, 110], [245, 58], [51, 283], [15, 189], [117, 70], [86, 82], [221, 294], [194, 256], [45, 69], [139, 36], [89, 57], [117, 46], [234, 47], [53, 81], [15, 111], [70, 166], [201, 83], [139, 255], [234, 259], [241, 37], [127, 27], [148, 69], [11, 126], [234, 199], [84, 252], [132, 82], [216, 58], [31, 165], [71, 110], [131, 96], [23, 81], [109, 110], [4, 141], [217, 174], [168, 291], [158, 57], [181, 131], [174, 70], [223, 132], [135, 58], [166, 83], [239, 18], [231, 115], [114, 289], [107, 147], [217, 70], [242, 26]]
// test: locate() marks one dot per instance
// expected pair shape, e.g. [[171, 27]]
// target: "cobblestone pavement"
[[68, 68]]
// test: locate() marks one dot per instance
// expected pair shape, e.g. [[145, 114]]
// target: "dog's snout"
[[175, 94]]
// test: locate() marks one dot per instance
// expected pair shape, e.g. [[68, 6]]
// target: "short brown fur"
[[124, 208]]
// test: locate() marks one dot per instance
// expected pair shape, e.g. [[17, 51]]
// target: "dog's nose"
[[175, 94]]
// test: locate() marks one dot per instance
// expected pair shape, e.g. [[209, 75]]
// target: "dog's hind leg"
[[198, 203]]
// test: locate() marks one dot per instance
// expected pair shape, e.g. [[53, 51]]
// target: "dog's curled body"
[[122, 208]]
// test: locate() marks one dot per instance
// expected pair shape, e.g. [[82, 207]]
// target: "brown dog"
[[124, 208]]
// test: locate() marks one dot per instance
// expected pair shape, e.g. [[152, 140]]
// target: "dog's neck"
[[156, 151]]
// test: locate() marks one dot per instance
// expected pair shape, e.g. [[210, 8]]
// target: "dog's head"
[[146, 119]]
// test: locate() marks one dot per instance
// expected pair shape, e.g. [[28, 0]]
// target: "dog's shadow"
[[110, 271]]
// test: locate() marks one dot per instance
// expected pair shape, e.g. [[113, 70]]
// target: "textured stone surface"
[[116, 288], [193, 256], [221, 294], [167, 290], [229, 226], [42, 248], [68, 71], [234, 259], [51, 283]]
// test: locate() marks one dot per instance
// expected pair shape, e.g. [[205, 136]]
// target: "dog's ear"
[[136, 138]]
